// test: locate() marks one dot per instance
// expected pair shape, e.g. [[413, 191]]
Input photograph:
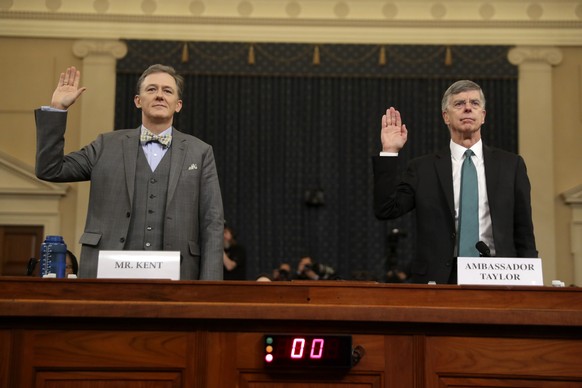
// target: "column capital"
[[115, 48], [545, 54]]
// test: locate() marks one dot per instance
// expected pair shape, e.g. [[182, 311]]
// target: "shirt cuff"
[[50, 109], [388, 153]]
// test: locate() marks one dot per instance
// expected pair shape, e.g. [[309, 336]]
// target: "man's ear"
[[179, 106], [446, 117], [137, 101]]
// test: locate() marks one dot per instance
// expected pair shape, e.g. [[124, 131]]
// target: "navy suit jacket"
[[427, 187]]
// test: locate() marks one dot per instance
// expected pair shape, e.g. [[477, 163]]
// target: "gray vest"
[[146, 228]]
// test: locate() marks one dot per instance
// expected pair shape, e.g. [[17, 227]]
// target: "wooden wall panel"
[[221, 356], [401, 361], [451, 358], [56, 356], [5, 356], [315, 379], [17, 245], [88, 348], [107, 379], [492, 382]]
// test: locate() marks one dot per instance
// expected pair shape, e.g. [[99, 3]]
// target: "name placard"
[[500, 271], [139, 265]]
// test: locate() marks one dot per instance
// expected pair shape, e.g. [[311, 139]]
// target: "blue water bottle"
[[53, 257]]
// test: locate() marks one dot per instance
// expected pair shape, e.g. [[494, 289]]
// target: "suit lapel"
[[130, 149], [178, 155], [444, 168]]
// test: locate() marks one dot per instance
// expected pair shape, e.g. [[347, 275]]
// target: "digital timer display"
[[300, 351]]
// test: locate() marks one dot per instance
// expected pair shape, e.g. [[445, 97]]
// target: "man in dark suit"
[[152, 188], [431, 186]]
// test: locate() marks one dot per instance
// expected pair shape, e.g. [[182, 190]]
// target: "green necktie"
[[469, 209]]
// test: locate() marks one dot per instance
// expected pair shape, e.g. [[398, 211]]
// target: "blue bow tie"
[[148, 136]]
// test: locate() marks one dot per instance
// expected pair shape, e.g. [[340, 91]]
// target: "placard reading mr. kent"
[[500, 271], [139, 265]]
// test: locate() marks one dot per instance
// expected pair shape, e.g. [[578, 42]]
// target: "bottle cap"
[[54, 238]]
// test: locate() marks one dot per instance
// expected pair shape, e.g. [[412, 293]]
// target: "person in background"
[[72, 267], [234, 257], [307, 269], [153, 188], [264, 277], [283, 272], [501, 211]]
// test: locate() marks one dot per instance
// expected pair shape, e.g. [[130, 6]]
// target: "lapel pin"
[[193, 167]]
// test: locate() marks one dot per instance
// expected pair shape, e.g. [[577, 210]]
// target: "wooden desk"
[[137, 334]]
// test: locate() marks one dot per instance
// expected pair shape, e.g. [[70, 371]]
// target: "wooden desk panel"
[[450, 360], [101, 333], [5, 356]]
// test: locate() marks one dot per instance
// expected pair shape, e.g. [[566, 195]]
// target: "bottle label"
[[53, 257]]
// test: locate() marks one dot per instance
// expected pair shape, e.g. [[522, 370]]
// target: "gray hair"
[[460, 87], [157, 68]]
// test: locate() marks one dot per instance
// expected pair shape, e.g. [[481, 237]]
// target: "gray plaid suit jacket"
[[194, 219]]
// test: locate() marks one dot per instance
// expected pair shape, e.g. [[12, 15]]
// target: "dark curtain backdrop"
[[282, 127]]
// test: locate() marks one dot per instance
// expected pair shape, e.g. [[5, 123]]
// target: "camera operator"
[[307, 269], [234, 257], [395, 273], [283, 273]]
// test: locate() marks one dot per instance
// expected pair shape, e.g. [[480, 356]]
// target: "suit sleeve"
[[525, 244], [51, 163], [211, 221], [392, 197]]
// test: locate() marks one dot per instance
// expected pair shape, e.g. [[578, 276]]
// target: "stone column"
[[536, 145], [97, 103], [573, 198]]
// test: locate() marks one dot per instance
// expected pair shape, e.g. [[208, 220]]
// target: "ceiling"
[[508, 22]]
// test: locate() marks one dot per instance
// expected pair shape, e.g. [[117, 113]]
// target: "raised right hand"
[[394, 134], [67, 90]]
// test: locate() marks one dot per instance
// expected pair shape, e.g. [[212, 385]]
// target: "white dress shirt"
[[457, 158], [154, 151]]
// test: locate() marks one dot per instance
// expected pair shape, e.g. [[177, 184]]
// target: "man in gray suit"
[[431, 186], [152, 188]]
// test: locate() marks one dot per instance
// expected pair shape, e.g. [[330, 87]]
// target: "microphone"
[[483, 249]]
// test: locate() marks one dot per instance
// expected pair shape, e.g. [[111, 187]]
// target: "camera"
[[323, 271], [283, 275]]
